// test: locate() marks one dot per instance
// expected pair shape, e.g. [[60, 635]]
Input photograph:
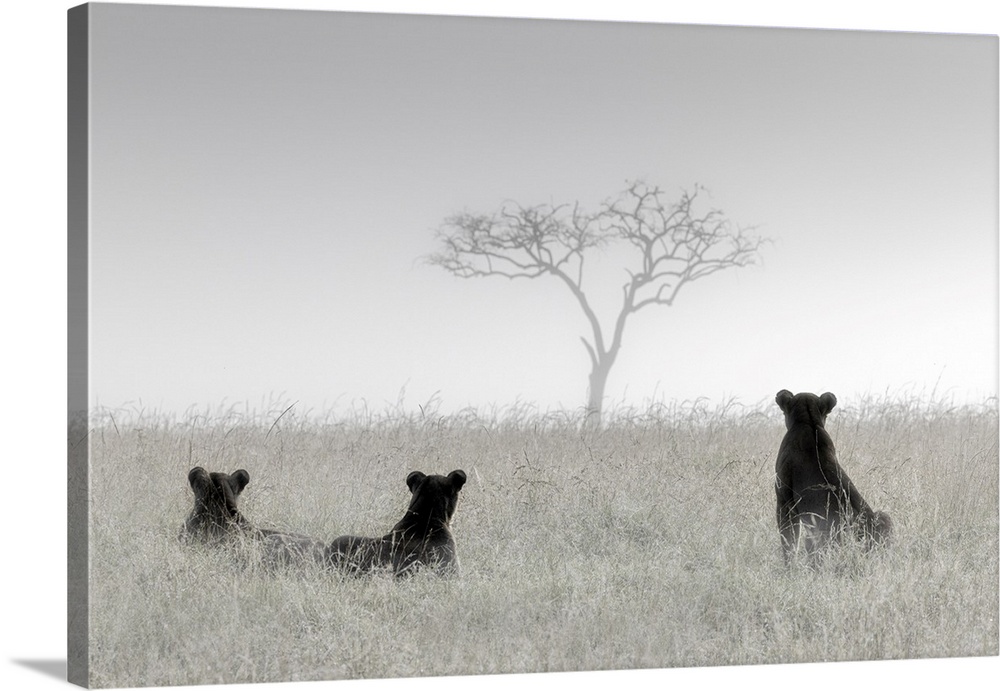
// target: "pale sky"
[[265, 183]]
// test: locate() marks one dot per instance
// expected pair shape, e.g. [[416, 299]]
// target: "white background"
[[32, 272]]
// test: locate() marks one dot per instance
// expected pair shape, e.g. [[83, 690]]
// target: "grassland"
[[648, 543]]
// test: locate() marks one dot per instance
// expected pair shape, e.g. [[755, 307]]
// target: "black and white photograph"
[[427, 346]]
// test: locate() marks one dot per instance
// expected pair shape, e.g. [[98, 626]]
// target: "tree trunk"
[[595, 393]]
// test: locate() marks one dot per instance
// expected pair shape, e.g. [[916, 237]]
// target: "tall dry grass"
[[648, 543]]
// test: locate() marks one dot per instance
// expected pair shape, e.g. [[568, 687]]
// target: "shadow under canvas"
[[51, 668]]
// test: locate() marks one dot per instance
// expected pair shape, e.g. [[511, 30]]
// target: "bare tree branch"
[[590, 351]]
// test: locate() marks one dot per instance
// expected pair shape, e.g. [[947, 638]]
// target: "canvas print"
[[409, 346]]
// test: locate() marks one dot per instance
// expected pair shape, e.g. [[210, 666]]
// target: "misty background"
[[265, 185]]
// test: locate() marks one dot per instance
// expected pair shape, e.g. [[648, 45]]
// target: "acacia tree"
[[670, 245]]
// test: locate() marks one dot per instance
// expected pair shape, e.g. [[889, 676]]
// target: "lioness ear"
[[783, 399], [239, 480], [199, 480], [828, 401], [457, 478], [414, 479]]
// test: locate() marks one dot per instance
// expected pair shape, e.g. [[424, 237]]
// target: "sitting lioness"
[[816, 500], [422, 538]]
